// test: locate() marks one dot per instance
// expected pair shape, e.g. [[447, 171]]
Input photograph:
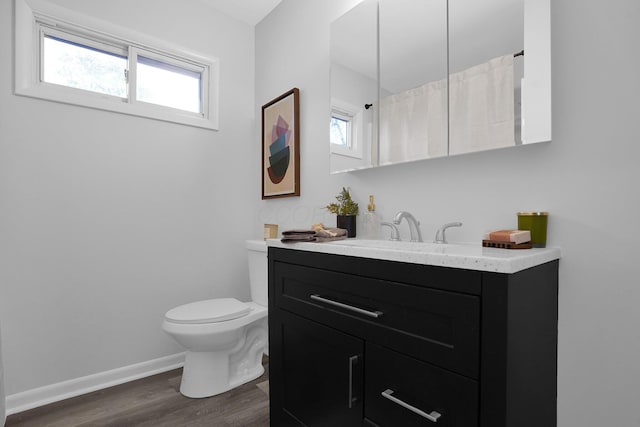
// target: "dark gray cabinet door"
[[323, 379]]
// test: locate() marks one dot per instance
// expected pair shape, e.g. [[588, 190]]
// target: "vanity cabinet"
[[357, 341]]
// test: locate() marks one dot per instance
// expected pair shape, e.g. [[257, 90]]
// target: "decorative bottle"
[[371, 221]]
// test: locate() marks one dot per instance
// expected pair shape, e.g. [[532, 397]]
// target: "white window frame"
[[34, 18], [353, 115]]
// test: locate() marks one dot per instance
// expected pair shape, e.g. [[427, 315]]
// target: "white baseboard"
[[40, 396]]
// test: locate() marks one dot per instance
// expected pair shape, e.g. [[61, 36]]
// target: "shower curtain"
[[481, 113], [480, 110], [413, 124]]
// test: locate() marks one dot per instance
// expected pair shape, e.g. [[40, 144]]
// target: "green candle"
[[536, 222]]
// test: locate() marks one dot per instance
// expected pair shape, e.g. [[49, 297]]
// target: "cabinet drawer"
[[436, 326], [400, 390]]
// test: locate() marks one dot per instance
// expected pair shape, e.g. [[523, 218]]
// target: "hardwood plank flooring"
[[154, 401]]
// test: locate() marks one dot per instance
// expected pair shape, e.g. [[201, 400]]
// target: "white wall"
[[3, 413], [586, 178], [108, 220]]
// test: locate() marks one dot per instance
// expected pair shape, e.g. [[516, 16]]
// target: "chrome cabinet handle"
[[433, 416], [352, 361], [374, 314]]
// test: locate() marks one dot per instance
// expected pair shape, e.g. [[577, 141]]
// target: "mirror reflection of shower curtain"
[[481, 109], [413, 124]]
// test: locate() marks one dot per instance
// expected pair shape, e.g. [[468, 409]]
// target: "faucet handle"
[[440, 237], [395, 233]]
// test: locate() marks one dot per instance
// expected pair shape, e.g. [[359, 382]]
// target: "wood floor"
[[154, 401]]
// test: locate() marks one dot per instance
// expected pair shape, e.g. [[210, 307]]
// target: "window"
[[65, 62], [346, 131], [341, 130]]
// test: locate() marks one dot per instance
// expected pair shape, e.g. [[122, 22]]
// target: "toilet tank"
[[258, 271]]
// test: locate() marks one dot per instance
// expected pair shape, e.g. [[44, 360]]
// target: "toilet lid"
[[208, 311]]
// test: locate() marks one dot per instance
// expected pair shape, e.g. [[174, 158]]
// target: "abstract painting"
[[281, 146]]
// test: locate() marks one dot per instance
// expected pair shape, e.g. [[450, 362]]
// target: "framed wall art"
[[281, 146]]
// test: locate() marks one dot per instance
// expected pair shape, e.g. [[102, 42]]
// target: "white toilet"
[[224, 338]]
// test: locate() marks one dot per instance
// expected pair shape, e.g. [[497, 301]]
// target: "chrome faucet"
[[440, 238], [395, 234], [414, 225]]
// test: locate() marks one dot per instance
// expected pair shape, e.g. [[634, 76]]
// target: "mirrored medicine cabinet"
[[421, 79]]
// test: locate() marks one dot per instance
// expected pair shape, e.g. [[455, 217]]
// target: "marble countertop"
[[471, 256]]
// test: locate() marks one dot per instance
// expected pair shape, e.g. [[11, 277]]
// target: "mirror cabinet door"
[[413, 80], [354, 88], [499, 81], [485, 74]]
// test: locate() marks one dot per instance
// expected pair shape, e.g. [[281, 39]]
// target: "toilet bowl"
[[225, 338]]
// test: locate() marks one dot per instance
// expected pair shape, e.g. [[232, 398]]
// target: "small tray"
[[506, 245]]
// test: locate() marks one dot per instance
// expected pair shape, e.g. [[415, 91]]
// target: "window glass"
[[166, 84], [340, 131], [83, 67]]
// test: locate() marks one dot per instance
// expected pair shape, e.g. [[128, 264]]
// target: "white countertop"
[[466, 256]]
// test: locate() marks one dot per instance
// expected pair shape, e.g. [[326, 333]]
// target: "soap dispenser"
[[371, 221]]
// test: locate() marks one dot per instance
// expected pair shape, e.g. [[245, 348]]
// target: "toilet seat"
[[208, 311]]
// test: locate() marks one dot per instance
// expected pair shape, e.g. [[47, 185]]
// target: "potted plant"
[[346, 210]]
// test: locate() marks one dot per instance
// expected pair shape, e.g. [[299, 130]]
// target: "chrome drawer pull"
[[374, 314], [433, 416], [352, 361]]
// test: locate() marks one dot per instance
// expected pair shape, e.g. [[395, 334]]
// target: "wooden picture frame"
[[281, 146]]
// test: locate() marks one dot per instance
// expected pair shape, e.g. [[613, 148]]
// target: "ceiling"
[[248, 11]]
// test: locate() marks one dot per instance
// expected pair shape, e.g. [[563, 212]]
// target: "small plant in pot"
[[346, 210]]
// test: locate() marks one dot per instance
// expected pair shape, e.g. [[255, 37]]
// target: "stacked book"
[[508, 239]]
